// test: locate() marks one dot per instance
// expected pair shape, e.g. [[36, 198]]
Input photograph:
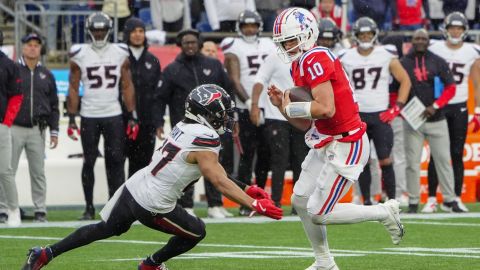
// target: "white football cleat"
[[403, 199], [214, 212], [392, 223], [225, 212], [461, 205], [430, 206]]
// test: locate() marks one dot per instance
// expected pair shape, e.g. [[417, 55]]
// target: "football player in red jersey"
[[336, 136]]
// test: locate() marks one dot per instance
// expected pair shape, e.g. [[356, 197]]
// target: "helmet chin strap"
[[455, 41], [250, 39], [365, 45]]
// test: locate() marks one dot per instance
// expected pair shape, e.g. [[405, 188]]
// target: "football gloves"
[[257, 193], [267, 208], [390, 114], [72, 127], [132, 126]]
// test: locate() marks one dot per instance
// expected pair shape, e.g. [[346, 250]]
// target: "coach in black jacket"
[[39, 110], [189, 70], [146, 72]]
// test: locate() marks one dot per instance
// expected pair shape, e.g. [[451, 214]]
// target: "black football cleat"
[[145, 266], [37, 258]]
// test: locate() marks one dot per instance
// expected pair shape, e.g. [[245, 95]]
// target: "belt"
[[345, 134]]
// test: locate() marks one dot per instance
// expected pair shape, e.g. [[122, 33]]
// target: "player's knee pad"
[[320, 219], [198, 230], [299, 202]]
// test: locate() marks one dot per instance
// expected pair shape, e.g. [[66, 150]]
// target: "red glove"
[[72, 127], [132, 126], [476, 120], [257, 193], [267, 208], [390, 114]]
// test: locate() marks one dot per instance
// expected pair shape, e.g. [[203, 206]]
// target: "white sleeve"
[[156, 14], [265, 72], [212, 14], [187, 19]]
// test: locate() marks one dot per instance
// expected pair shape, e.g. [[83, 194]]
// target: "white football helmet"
[[295, 23]]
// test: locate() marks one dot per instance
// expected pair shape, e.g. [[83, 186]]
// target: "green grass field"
[[431, 242]]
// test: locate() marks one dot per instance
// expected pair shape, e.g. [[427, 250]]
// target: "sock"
[[365, 181], [389, 180], [349, 213], [316, 234]]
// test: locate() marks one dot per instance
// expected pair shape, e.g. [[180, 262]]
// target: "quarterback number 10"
[[316, 71]]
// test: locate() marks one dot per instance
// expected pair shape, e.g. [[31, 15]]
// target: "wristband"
[[299, 110], [435, 106], [248, 103], [132, 115]]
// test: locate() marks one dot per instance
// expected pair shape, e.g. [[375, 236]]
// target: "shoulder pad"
[[74, 50], [476, 47], [122, 46], [227, 43], [391, 49]]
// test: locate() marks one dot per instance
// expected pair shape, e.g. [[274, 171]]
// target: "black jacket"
[[422, 71], [9, 82], [180, 77], [40, 100], [145, 76]]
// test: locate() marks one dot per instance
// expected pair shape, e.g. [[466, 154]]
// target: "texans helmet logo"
[[208, 97]]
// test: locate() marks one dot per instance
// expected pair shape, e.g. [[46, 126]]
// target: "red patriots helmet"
[[295, 23]]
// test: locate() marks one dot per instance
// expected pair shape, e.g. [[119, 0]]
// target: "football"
[[300, 94]]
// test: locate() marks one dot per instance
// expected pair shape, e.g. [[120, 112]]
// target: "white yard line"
[[269, 252], [405, 217]]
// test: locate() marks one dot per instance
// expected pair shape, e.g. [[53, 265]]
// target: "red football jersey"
[[317, 66]]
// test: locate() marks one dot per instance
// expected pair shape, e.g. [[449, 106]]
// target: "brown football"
[[300, 94]]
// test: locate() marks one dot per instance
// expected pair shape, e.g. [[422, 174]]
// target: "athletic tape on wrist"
[[299, 110]]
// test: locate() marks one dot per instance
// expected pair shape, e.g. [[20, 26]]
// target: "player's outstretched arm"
[[214, 172]]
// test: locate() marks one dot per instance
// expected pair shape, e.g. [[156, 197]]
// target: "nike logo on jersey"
[[463, 109], [309, 61], [209, 135]]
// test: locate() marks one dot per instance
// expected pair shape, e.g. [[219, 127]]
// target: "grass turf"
[[452, 243]]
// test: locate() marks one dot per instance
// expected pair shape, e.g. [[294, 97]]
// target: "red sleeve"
[[13, 106], [447, 94], [317, 66]]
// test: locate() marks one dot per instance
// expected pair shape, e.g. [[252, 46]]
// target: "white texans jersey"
[[460, 61], [250, 56], [101, 72], [158, 186], [370, 76]]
